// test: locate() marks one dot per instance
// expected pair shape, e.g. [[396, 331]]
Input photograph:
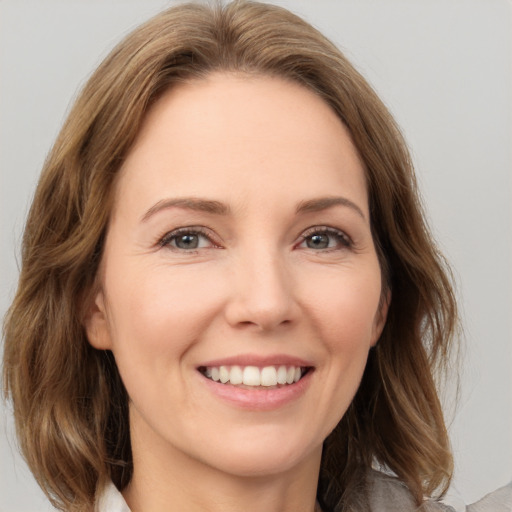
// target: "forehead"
[[242, 135]]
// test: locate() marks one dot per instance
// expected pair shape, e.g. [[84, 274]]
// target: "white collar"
[[111, 500]]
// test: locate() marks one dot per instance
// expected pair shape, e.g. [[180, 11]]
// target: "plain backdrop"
[[444, 69]]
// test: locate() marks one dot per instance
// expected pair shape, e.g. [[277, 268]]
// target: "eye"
[[186, 239], [324, 238]]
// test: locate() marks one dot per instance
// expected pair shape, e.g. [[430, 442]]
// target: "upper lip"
[[259, 360]]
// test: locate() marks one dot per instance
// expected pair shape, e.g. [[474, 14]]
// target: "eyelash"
[[344, 242], [168, 238]]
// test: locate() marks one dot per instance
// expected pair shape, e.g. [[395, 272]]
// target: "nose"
[[262, 293]]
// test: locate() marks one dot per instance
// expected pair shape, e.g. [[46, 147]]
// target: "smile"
[[253, 376]]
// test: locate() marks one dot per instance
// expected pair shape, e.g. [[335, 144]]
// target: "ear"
[[96, 322], [380, 317]]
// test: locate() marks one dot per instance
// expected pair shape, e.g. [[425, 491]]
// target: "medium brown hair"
[[70, 406]]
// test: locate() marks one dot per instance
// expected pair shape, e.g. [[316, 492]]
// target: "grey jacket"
[[388, 494]]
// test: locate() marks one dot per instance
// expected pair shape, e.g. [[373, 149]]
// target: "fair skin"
[[274, 267]]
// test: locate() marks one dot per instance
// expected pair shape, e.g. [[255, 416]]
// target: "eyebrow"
[[323, 203], [218, 208], [188, 203]]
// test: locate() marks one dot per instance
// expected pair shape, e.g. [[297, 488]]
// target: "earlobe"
[[96, 323], [380, 317]]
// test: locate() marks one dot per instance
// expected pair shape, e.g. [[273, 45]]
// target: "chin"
[[269, 456]]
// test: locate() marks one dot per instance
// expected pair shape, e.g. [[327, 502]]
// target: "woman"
[[228, 296]]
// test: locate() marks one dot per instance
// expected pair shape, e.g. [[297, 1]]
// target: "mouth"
[[254, 377]]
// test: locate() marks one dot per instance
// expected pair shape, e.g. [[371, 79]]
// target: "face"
[[239, 286]]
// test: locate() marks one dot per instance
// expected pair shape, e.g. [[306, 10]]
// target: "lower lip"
[[260, 399]]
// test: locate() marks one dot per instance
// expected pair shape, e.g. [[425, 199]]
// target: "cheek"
[[156, 318], [344, 315], [345, 307], [159, 310]]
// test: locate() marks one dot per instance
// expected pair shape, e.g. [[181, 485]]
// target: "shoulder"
[[389, 494], [497, 501], [110, 500]]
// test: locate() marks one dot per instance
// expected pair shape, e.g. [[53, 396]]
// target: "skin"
[[256, 285]]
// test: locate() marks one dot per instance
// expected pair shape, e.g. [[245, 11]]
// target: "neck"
[[176, 482]]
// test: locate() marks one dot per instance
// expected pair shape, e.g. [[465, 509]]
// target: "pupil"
[[187, 242], [318, 242]]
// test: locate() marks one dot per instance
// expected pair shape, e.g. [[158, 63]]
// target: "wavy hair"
[[70, 405]]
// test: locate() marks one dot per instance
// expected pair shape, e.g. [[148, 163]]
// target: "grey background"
[[443, 67]]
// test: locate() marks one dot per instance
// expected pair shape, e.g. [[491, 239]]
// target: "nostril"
[[263, 325]]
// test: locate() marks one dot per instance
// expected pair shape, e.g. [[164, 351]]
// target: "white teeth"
[[253, 376], [269, 376], [281, 375], [236, 376], [223, 374]]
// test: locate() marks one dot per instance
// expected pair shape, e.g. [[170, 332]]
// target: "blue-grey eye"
[[318, 241], [187, 241], [325, 238]]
